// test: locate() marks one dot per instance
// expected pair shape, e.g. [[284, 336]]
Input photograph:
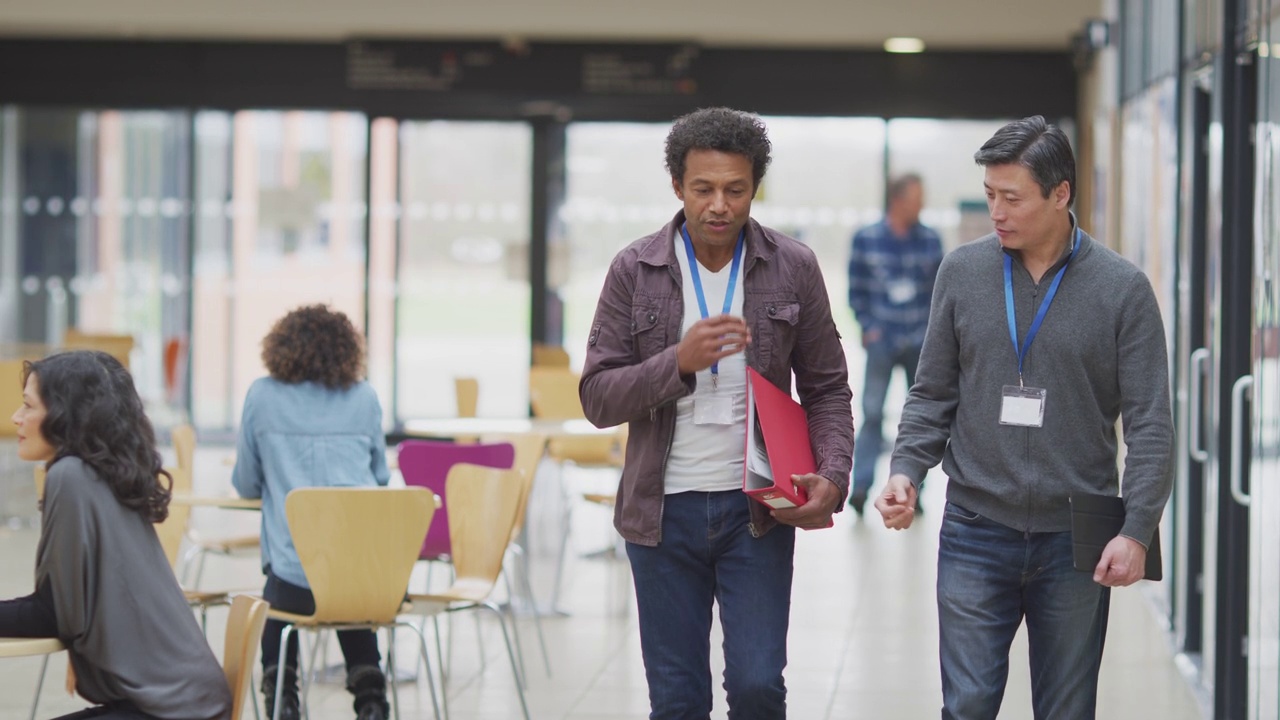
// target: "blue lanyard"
[[697, 280], [1044, 305]]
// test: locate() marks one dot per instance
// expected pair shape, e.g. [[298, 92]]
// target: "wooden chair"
[[171, 533], [543, 355], [244, 633], [117, 346], [10, 394], [553, 394], [529, 449], [183, 438], [482, 506], [466, 392], [357, 547]]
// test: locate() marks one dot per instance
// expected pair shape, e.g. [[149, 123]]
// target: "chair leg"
[[306, 679], [35, 702], [444, 681], [502, 623], [280, 666], [426, 660], [200, 570], [526, 588], [515, 631], [391, 669]]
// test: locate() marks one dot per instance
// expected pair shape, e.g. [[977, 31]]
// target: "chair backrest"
[[529, 451], [483, 502], [543, 355], [426, 463], [358, 547], [10, 394], [117, 346], [183, 438], [244, 631], [174, 528], [553, 393], [467, 393]]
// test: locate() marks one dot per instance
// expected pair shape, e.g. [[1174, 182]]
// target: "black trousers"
[[118, 711], [359, 647]]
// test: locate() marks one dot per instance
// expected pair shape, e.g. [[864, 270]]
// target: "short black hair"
[[1039, 147], [722, 129]]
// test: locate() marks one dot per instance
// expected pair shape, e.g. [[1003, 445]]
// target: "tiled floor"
[[863, 638]]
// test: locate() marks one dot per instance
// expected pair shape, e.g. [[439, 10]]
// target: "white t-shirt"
[[709, 458]]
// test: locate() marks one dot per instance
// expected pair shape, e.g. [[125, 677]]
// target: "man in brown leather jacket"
[[682, 314]]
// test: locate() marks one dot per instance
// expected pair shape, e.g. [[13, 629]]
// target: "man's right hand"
[[709, 340], [898, 502]]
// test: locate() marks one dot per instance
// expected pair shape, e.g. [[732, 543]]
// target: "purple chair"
[[426, 463]]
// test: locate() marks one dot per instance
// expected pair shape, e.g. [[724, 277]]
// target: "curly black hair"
[[93, 412], [722, 129], [315, 344]]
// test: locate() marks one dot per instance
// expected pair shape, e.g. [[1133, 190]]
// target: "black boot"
[[369, 686], [290, 708]]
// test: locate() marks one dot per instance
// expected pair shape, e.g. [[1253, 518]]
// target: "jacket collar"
[[660, 249]]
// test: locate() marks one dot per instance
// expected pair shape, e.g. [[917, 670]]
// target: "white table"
[[472, 427], [226, 501], [25, 647]]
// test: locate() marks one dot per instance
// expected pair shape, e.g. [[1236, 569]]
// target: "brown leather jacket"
[[631, 375]]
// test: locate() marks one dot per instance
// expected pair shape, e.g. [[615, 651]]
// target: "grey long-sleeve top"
[[1100, 354], [119, 610]]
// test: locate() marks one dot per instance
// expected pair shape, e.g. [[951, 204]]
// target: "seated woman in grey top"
[[313, 422], [103, 584]]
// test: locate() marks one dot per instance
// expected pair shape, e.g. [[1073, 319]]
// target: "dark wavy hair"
[[93, 412], [722, 129], [315, 344]]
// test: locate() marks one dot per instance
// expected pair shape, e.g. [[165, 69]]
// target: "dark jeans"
[[117, 711], [990, 577], [707, 554], [881, 360], [359, 647]]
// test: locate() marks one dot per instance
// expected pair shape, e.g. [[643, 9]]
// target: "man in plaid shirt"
[[892, 268]]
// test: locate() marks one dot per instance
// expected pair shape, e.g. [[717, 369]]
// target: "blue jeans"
[[707, 553], [989, 578], [882, 358]]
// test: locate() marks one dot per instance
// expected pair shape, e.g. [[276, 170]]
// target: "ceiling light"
[[904, 45]]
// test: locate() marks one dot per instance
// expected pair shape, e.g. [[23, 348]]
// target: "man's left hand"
[[1123, 563], [824, 498]]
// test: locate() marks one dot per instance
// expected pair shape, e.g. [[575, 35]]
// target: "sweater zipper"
[[1035, 297]]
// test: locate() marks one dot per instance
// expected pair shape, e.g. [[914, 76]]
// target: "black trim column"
[[546, 307], [1239, 92]]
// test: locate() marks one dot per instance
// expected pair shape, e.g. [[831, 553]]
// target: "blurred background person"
[[892, 267]]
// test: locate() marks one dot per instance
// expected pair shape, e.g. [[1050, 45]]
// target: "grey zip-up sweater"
[[1100, 353]]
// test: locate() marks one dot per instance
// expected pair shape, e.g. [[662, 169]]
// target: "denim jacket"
[[296, 435], [631, 373]]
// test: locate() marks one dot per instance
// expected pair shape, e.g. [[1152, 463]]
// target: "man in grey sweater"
[[1039, 338]]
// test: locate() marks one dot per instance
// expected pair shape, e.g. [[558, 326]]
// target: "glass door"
[[1264, 507], [281, 223], [463, 293]]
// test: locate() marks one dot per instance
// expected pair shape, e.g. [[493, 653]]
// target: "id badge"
[[713, 409], [901, 292], [1023, 406]]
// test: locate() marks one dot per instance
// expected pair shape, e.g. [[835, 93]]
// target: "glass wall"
[[281, 224], [94, 229], [463, 299]]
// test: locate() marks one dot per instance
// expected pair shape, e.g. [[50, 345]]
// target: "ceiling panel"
[[951, 24]]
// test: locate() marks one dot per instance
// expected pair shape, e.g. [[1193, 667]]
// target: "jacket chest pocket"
[[648, 332], [775, 332]]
